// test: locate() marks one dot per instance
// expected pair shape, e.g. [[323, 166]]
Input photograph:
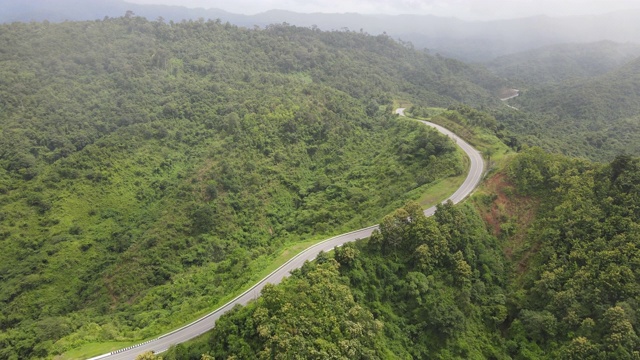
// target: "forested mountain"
[[471, 41], [148, 170], [151, 169], [429, 287], [608, 97], [563, 63], [596, 118], [551, 273], [578, 279]]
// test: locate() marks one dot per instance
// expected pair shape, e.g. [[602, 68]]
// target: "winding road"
[[207, 322]]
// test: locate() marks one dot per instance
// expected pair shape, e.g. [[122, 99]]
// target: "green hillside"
[[563, 63], [542, 264], [150, 170], [596, 118], [609, 97]]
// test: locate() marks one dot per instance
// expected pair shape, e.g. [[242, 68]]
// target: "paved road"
[[207, 322]]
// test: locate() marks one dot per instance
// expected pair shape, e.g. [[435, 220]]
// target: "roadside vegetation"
[[541, 263], [149, 171]]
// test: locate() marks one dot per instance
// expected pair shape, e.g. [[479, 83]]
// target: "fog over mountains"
[[475, 41]]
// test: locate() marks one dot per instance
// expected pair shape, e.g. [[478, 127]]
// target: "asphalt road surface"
[[207, 322]]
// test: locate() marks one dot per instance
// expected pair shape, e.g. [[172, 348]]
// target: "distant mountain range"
[[476, 41], [561, 63], [77, 10]]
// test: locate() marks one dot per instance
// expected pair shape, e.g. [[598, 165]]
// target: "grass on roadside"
[[288, 251], [441, 190], [93, 349]]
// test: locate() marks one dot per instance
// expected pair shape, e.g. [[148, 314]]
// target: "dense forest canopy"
[[148, 169], [562, 63], [552, 273], [595, 117]]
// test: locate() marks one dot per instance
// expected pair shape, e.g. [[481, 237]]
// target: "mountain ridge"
[[463, 39]]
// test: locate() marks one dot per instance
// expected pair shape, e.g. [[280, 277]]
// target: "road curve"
[[207, 322]]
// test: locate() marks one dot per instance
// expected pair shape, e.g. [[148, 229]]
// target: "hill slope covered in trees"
[[563, 63], [471, 41], [614, 95], [551, 273], [150, 169], [596, 118]]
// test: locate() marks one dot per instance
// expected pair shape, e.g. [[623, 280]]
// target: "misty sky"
[[465, 9]]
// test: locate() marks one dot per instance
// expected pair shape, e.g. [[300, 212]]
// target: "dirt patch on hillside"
[[509, 217]]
